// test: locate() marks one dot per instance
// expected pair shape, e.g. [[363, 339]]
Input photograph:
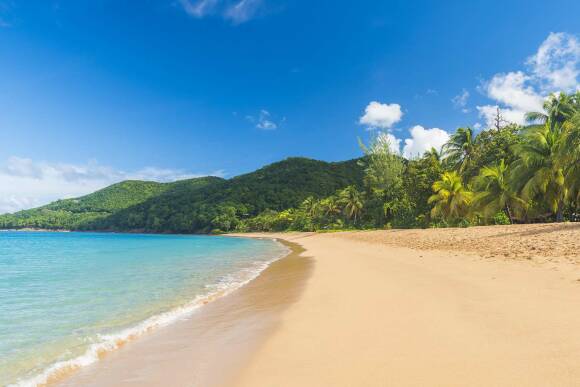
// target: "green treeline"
[[505, 174]]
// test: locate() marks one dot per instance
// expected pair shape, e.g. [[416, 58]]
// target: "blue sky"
[[92, 92]]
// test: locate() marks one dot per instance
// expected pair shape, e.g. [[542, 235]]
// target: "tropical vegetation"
[[504, 174]]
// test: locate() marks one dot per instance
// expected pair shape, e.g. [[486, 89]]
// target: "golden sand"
[[483, 306], [541, 242], [378, 314]]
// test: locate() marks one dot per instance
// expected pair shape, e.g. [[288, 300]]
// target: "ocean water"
[[66, 298]]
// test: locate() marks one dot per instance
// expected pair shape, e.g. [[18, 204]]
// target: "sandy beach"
[[375, 313], [448, 307]]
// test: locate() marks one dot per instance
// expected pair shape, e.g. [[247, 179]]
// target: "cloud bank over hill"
[[27, 183]]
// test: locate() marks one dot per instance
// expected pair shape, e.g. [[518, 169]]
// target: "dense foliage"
[[196, 205], [80, 213], [501, 175]]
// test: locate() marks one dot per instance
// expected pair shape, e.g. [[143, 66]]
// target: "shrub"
[[501, 218]]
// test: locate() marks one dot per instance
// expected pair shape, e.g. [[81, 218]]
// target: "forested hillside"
[[80, 213], [197, 205], [222, 206]]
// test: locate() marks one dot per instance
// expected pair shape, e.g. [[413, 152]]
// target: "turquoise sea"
[[67, 297]]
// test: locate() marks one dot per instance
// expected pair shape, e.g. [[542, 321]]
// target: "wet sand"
[[211, 346]]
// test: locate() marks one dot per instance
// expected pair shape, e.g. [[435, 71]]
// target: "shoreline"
[[225, 329], [106, 345], [375, 308]]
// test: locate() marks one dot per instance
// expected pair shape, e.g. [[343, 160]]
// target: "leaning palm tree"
[[494, 193], [352, 202], [458, 152], [451, 199], [538, 173], [557, 109]]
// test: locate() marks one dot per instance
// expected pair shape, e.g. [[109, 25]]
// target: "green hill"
[[80, 213], [190, 206]]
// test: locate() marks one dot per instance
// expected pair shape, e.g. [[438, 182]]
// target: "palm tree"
[[352, 202], [557, 109], [458, 152], [561, 140], [310, 205], [330, 206], [538, 173], [494, 192], [432, 154], [451, 198], [570, 154]]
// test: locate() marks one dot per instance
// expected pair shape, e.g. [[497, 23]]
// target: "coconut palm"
[[458, 152], [352, 202], [432, 154], [330, 206], [538, 173], [562, 116], [494, 193], [451, 199], [310, 205], [557, 109], [570, 155]]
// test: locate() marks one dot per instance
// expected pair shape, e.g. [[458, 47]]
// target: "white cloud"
[[13, 203], [264, 121], [513, 90], [199, 8], [242, 11], [27, 183], [553, 68], [555, 63], [423, 140], [237, 12], [381, 115], [514, 93], [460, 101]]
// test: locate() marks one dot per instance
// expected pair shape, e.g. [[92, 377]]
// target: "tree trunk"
[[560, 212], [508, 212]]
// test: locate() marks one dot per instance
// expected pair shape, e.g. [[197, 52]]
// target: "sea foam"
[[105, 343]]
